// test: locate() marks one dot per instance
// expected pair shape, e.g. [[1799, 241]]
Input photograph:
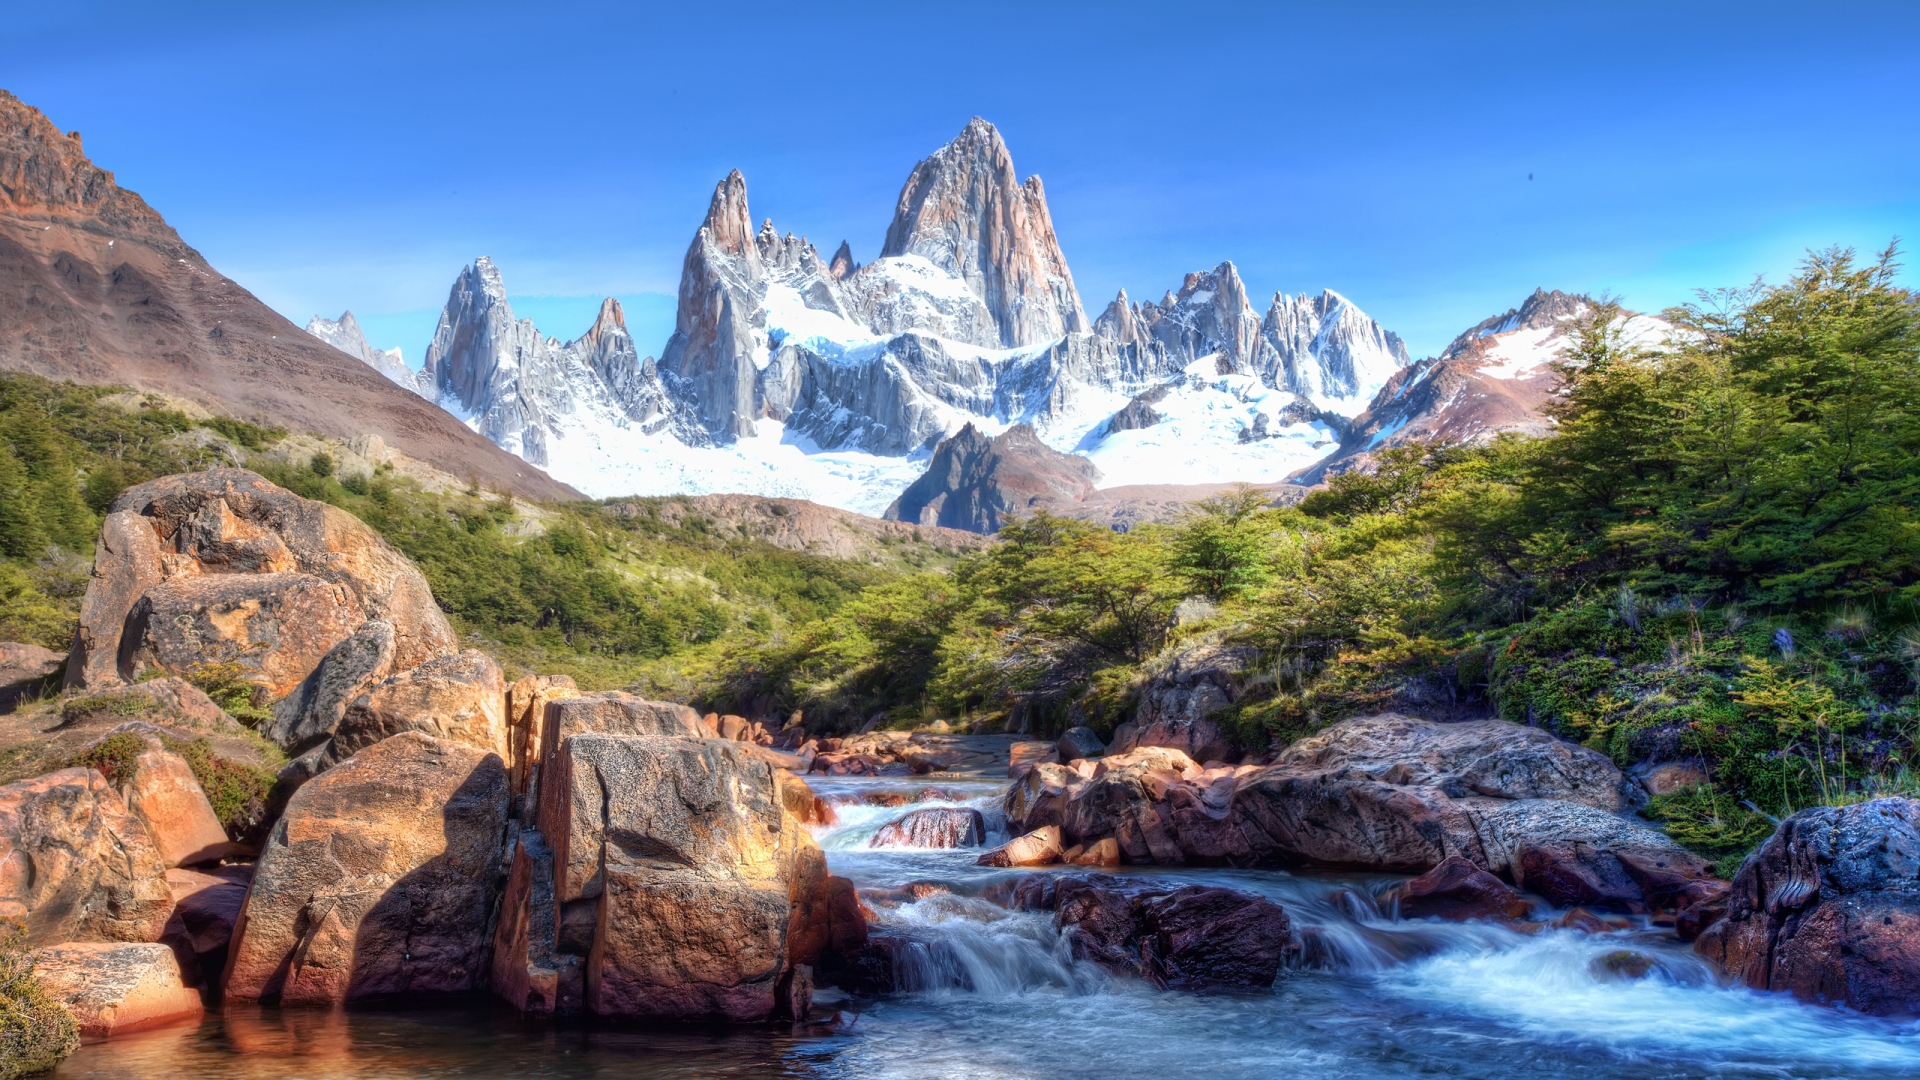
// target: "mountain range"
[[956, 378], [790, 374]]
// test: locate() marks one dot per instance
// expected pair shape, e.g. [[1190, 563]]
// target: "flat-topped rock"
[[114, 988]]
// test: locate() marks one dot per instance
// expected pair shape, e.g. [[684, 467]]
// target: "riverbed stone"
[[1198, 937], [379, 881], [1828, 909], [1457, 891], [76, 865], [934, 827], [1037, 848], [113, 988], [1079, 742]]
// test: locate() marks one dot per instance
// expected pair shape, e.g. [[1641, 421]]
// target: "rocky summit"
[[825, 379]]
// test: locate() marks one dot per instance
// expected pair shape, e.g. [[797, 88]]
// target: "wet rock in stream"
[[1197, 937]]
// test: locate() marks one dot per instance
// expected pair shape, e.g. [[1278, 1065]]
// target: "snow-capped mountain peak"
[[345, 334]]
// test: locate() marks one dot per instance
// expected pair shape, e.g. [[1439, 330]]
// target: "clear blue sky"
[[343, 155]]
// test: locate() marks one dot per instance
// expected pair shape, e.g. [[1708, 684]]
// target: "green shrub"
[[113, 757], [238, 791], [1710, 822], [36, 1032], [229, 687]]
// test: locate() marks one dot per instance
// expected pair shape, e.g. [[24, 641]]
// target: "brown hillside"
[[95, 287]]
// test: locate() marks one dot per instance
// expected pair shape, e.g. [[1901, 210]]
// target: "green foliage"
[[237, 790], [1710, 822], [113, 757], [1222, 548], [230, 688], [36, 1032], [321, 464]]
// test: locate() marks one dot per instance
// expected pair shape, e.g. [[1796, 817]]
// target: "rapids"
[[993, 993]]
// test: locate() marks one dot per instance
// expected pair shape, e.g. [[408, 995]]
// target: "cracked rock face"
[[1828, 909], [379, 881]]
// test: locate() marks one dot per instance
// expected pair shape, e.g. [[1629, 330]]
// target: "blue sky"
[[347, 155]]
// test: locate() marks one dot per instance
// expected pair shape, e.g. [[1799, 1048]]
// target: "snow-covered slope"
[[827, 380], [1493, 378], [345, 334]]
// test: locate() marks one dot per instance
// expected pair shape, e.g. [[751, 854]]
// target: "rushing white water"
[[992, 993]]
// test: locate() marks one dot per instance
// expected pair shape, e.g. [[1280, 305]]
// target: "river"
[[996, 994]]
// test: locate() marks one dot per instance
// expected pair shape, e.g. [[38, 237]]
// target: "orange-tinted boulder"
[[460, 698], [379, 881], [1457, 891], [76, 864], [164, 794], [275, 627], [113, 988]]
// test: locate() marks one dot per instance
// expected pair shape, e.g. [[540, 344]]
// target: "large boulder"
[[1828, 909], [1181, 697], [686, 847], [274, 627], [379, 881], [1193, 938], [934, 827], [76, 864], [1079, 742], [164, 794], [115, 988], [227, 522], [309, 715], [460, 698]]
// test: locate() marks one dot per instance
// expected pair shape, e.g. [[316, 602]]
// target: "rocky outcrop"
[[275, 627], [529, 972], [309, 715], [681, 855], [1326, 349], [1828, 909], [96, 288], [975, 482], [345, 334], [1493, 378], [1383, 792], [1197, 938], [524, 389], [76, 864], [1078, 742], [934, 827], [460, 698], [379, 881], [527, 718], [199, 536], [115, 988], [1180, 699], [965, 210]]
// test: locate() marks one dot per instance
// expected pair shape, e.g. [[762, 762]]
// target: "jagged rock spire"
[[965, 210]]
